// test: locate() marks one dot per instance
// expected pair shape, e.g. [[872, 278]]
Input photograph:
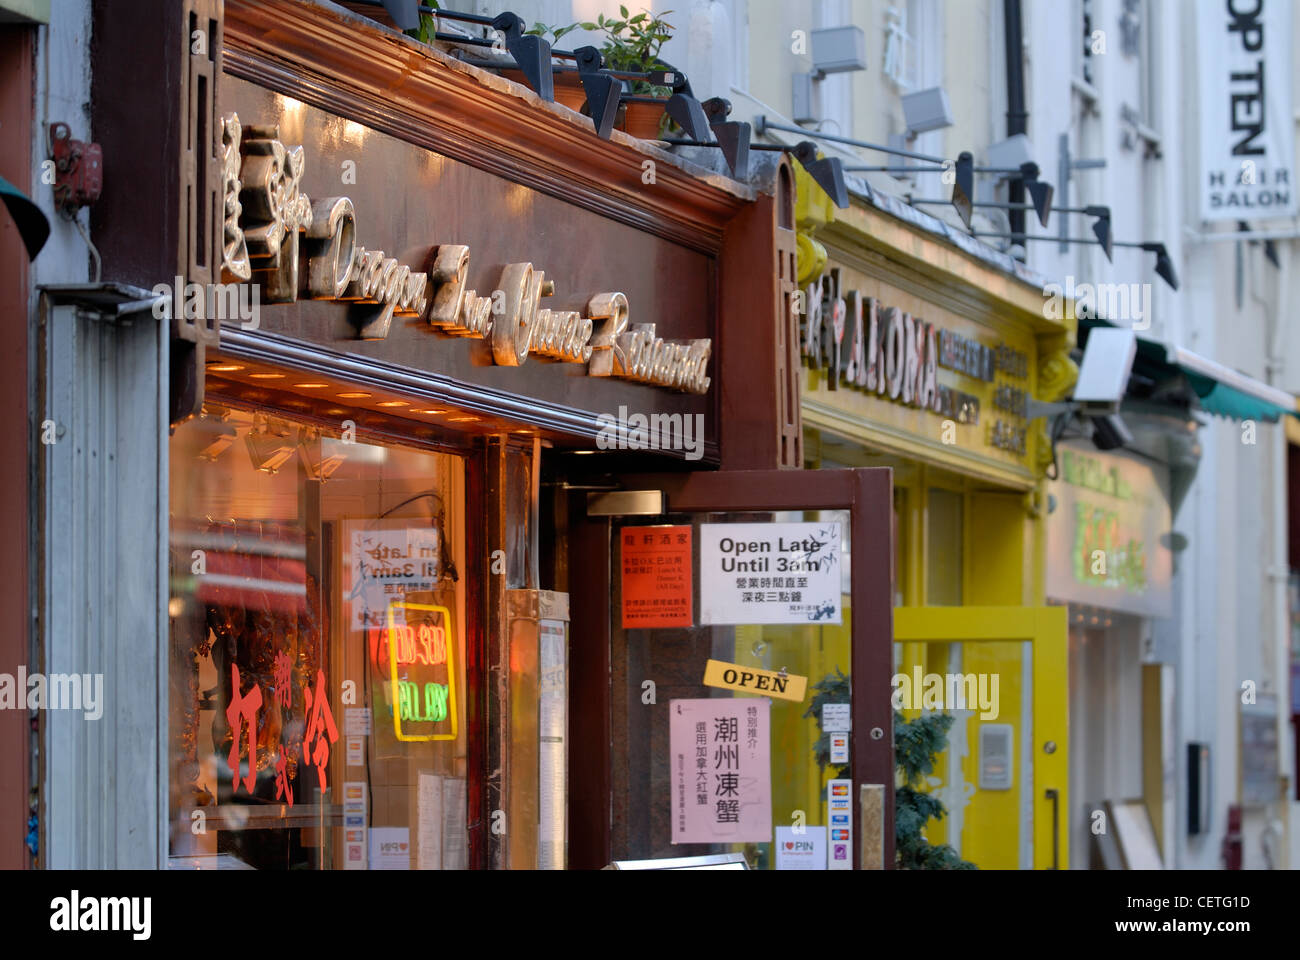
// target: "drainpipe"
[[1017, 116]]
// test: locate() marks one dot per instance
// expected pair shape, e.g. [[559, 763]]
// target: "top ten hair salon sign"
[[1247, 129]]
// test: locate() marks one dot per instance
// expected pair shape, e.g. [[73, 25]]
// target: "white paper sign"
[[836, 717], [356, 721], [805, 850], [390, 848], [388, 564], [455, 838], [1244, 109], [720, 754], [770, 573], [428, 806], [552, 725]]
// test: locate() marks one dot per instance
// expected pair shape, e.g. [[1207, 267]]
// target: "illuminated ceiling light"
[[393, 403], [312, 452], [463, 419], [218, 434], [269, 447], [224, 367], [310, 386], [433, 412], [353, 396], [267, 376]]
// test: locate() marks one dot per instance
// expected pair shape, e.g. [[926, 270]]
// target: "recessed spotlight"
[[310, 386], [432, 412], [463, 419], [267, 376], [393, 403], [225, 367], [353, 396]]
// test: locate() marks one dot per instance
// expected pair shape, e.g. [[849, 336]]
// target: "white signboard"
[[836, 717], [388, 564], [801, 849], [721, 761], [1244, 109], [552, 655], [390, 848], [770, 573]]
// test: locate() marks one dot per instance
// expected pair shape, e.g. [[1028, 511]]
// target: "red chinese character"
[[243, 707], [283, 788], [283, 666], [320, 723]]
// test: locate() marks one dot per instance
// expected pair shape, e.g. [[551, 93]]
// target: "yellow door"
[[1004, 776]]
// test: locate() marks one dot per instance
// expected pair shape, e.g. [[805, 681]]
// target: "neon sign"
[[424, 643], [411, 646]]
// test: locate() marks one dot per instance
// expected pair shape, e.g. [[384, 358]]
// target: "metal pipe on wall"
[[1017, 115]]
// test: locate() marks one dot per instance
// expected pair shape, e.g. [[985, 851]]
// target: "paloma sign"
[[270, 223]]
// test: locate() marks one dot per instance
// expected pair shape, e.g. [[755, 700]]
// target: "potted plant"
[[632, 44]]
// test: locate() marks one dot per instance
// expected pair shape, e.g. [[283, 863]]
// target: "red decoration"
[[320, 723], [244, 707]]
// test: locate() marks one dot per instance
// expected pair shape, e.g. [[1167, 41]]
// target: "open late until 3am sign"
[[770, 573]]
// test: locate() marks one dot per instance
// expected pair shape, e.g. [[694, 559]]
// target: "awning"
[[1227, 393], [1219, 390]]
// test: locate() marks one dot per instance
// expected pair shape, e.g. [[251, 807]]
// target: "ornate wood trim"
[[354, 68]]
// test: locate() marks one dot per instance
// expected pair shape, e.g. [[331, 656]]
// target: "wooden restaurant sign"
[[294, 247]]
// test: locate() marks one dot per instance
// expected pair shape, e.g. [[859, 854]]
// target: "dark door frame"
[[867, 493]]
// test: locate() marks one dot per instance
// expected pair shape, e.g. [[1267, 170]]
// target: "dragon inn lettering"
[[292, 246], [888, 352]]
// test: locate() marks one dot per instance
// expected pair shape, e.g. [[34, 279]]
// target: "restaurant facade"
[[435, 477]]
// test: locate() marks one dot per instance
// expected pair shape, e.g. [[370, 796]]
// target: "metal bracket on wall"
[[626, 503]]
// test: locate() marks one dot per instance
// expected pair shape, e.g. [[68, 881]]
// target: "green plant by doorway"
[[917, 744]]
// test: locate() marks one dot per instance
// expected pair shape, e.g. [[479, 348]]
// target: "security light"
[[1103, 375], [926, 110]]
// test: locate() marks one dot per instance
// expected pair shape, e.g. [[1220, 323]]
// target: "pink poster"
[[721, 770]]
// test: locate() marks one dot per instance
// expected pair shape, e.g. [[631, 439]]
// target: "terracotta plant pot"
[[639, 120]]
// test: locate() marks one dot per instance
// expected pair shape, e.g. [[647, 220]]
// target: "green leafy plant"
[[631, 44], [428, 25], [917, 745], [833, 688]]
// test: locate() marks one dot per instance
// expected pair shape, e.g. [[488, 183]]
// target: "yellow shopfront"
[[925, 358]]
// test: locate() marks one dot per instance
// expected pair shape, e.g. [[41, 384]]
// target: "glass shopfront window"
[[317, 669]]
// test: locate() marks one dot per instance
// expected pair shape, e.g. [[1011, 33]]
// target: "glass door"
[[740, 619]]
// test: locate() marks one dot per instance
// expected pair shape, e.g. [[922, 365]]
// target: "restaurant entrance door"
[[742, 604]]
